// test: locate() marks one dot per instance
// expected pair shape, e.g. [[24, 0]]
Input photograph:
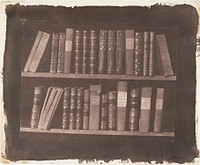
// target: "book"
[[73, 105], [86, 109], [146, 54], [134, 109], [54, 53], [79, 108], [163, 52], [129, 51], [103, 46], [68, 50], [39, 52], [61, 53], [66, 107], [93, 51], [139, 50], [33, 50], [152, 53], [112, 110], [95, 99], [104, 112], [158, 109], [78, 51], [111, 58], [37, 105], [120, 52], [144, 121], [85, 52], [121, 105]]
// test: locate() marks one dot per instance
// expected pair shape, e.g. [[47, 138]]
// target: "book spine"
[[32, 52], [78, 51], [72, 114], [146, 94], [134, 109], [151, 53], [66, 108], [54, 53], [37, 105], [103, 45], [39, 52], [86, 109], [111, 61], [85, 51], [129, 52], [139, 50], [68, 50], [146, 54], [104, 112], [121, 105], [159, 109], [120, 52], [61, 53], [95, 98], [93, 51], [79, 108], [112, 110]]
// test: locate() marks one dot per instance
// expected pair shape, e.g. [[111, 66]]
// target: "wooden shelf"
[[97, 76], [90, 132]]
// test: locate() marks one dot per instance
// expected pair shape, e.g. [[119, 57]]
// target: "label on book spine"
[[122, 99]]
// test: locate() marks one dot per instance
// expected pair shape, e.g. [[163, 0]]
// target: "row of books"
[[127, 52], [92, 109]]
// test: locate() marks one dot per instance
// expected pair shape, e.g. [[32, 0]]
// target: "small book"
[[61, 53], [158, 109], [144, 121], [39, 52], [146, 54], [121, 105], [54, 53], [79, 108], [104, 112], [163, 52], [85, 60], [112, 110], [68, 50], [73, 104], [86, 109], [95, 100], [152, 47]]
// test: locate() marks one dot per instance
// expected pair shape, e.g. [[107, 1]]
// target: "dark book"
[[72, 112], [61, 53], [134, 109], [146, 53], [112, 110], [85, 60], [54, 53], [78, 51], [79, 108], [93, 51], [68, 50], [104, 112], [121, 105], [103, 46], [86, 110], [111, 59], [120, 52], [139, 51], [37, 106], [152, 53], [66, 107]]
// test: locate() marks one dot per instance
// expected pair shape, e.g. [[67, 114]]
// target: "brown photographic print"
[[100, 83]]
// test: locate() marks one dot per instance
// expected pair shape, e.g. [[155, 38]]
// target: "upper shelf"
[[97, 76]]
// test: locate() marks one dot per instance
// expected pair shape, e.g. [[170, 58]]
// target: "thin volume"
[[152, 53], [104, 112], [85, 60], [73, 104], [146, 54], [86, 109], [61, 53], [54, 53], [79, 108], [112, 110]]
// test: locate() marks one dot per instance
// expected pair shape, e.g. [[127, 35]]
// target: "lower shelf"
[[99, 132]]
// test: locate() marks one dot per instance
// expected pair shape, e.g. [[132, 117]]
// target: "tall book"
[[33, 50], [121, 105], [146, 54], [68, 50], [79, 108], [158, 109], [144, 121], [37, 105], [163, 52], [66, 107], [61, 53], [104, 112], [112, 110], [134, 109], [139, 50], [72, 112], [111, 58], [103, 45], [129, 51], [78, 51], [85, 53], [54, 53], [93, 51], [86, 110], [39, 52], [120, 52], [152, 48], [95, 100]]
